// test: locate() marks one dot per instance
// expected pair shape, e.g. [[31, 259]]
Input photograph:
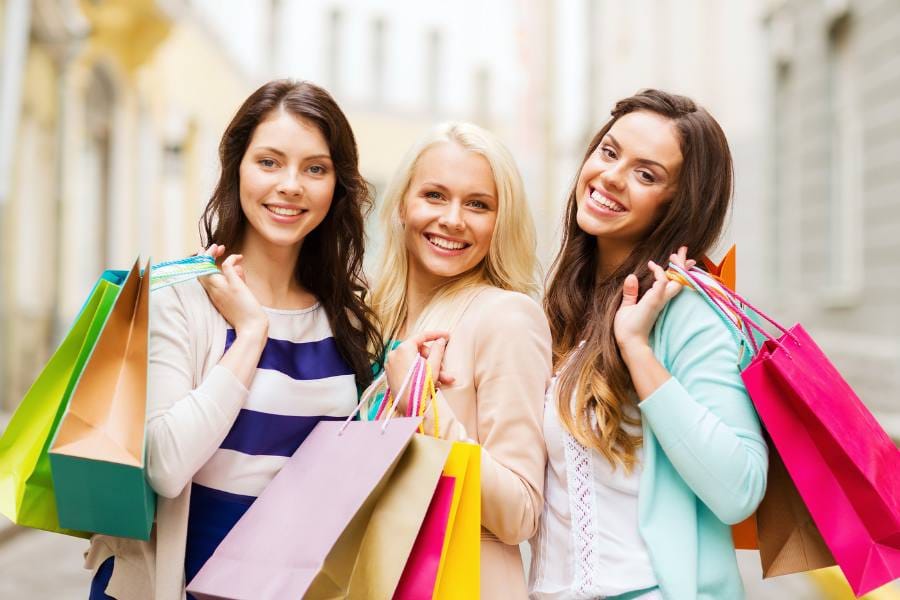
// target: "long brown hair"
[[330, 265], [596, 385]]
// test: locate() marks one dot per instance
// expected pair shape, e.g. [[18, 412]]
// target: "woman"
[[654, 446], [460, 257], [244, 364]]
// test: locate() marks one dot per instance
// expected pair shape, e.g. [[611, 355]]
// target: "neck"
[[421, 287], [269, 271], [611, 256]]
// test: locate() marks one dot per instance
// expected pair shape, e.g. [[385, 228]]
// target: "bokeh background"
[[111, 112]]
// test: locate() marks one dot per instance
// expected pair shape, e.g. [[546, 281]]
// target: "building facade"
[[833, 221]]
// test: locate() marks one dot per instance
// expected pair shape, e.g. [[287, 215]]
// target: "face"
[[286, 181], [449, 211], [626, 181]]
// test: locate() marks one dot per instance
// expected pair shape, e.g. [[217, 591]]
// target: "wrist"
[[635, 352], [256, 332]]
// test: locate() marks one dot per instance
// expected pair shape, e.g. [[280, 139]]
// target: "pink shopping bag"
[[842, 462], [420, 572]]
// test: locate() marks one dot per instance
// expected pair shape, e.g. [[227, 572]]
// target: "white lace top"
[[588, 544]]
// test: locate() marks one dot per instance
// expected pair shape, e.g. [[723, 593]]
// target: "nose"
[[613, 177], [290, 185], [452, 216]]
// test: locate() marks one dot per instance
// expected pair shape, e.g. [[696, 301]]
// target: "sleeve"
[[184, 425], [702, 417], [512, 369]]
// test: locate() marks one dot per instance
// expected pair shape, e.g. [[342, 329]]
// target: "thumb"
[[630, 290], [671, 290], [436, 354]]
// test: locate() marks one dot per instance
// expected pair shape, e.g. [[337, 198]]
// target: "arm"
[[186, 425], [697, 407], [512, 368]]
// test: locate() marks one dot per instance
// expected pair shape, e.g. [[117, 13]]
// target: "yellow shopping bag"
[[459, 573]]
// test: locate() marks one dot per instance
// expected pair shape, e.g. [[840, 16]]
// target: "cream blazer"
[[500, 356]]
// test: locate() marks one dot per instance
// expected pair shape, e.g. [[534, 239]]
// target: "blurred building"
[[111, 112], [832, 226]]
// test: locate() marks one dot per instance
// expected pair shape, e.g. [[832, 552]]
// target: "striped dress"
[[301, 379]]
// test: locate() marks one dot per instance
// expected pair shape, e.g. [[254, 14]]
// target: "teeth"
[[446, 244], [597, 197], [285, 212]]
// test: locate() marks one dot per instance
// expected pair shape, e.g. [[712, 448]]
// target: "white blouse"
[[588, 544]]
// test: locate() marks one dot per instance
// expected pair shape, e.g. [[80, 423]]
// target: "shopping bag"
[[459, 572], [789, 541], [420, 573], [98, 457], [403, 506], [844, 465], [26, 487]]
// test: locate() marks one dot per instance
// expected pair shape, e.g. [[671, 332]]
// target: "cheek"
[[484, 230]]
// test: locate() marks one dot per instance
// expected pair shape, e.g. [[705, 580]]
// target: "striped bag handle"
[[171, 272]]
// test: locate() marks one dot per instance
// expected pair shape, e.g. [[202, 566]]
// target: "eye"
[[267, 163], [478, 204], [317, 170], [607, 152], [433, 195], [646, 177]]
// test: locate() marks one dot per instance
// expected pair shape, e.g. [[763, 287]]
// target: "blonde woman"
[[458, 268]]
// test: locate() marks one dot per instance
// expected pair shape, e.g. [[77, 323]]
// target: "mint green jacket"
[[705, 460]]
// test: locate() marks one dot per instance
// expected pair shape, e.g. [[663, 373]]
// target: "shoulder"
[[689, 318], [186, 301], [498, 308]]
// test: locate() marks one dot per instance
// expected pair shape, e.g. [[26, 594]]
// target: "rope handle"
[[373, 388], [171, 272], [731, 298]]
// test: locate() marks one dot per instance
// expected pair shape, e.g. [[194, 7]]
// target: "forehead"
[[650, 136], [288, 133], [453, 166]]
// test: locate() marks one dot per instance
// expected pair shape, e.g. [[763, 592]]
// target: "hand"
[[430, 345], [680, 259], [635, 318], [230, 295]]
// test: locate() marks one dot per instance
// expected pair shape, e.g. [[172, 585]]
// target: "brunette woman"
[[244, 364], [654, 446]]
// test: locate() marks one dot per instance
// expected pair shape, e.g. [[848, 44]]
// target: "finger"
[[671, 290], [658, 273], [228, 268], [630, 290], [420, 339], [436, 354], [690, 264], [446, 379]]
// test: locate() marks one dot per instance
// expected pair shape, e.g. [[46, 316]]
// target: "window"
[[433, 71], [844, 209], [333, 53], [379, 60]]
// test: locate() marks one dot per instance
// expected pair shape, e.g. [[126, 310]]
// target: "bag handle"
[[730, 300], [372, 388], [171, 272]]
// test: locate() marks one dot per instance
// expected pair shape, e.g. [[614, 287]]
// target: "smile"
[[606, 202], [446, 244], [283, 211]]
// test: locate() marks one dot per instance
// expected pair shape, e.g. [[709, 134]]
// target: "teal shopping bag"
[[26, 487], [98, 459]]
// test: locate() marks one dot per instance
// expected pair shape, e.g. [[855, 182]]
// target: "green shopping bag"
[[26, 486], [98, 456]]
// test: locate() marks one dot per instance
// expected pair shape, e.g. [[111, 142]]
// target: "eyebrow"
[[645, 161], [283, 155], [443, 188]]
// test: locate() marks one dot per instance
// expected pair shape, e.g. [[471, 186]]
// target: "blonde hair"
[[511, 261]]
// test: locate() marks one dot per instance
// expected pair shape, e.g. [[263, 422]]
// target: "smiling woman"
[[244, 364], [460, 257]]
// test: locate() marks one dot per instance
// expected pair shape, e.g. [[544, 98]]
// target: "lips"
[[606, 201]]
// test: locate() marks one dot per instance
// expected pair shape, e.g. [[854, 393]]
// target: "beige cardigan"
[[499, 354], [191, 404]]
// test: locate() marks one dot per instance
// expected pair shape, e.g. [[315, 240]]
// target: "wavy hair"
[[511, 261], [595, 385], [330, 264]]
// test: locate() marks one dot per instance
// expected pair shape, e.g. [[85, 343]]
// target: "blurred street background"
[[111, 112]]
